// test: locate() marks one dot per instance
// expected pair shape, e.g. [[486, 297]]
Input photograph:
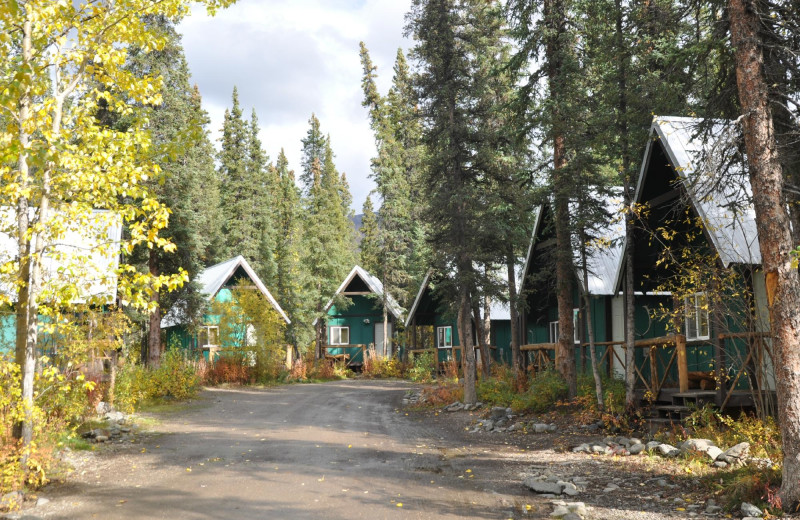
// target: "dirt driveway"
[[324, 451]]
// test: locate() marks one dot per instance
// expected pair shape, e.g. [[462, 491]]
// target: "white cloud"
[[290, 58]]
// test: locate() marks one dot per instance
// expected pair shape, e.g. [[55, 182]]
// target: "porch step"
[[695, 398], [671, 412]]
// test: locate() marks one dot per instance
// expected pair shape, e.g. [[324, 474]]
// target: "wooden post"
[[683, 364], [653, 372]]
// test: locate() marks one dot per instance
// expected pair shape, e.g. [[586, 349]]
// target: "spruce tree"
[[187, 185], [370, 242]]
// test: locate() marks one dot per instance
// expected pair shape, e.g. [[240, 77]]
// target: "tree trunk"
[[775, 241], [467, 347], [486, 331], [587, 299], [386, 347], [516, 355], [154, 331], [480, 324], [27, 312], [565, 357]]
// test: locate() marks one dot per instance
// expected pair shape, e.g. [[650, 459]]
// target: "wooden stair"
[[680, 406]]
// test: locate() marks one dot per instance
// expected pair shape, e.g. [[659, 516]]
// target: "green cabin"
[[85, 256], [539, 321], [354, 319], [433, 324], [696, 254], [216, 283]]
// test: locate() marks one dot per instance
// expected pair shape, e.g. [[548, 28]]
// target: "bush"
[[613, 392], [378, 367], [175, 377], [423, 367]]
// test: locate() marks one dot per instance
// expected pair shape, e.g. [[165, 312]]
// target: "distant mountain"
[[357, 223]]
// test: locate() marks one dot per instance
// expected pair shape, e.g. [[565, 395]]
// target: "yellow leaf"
[[399, 504]]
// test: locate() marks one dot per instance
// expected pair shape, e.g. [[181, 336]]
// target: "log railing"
[[345, 356], [541, 358]]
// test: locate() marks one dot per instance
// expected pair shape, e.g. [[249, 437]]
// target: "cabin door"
[[380, 348]]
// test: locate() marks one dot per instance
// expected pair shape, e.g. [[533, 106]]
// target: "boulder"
[[736, 454], [748, 509], [537, 486], [635, 449], [569, 489], [610, 487], [668, 450], [696, 444], [713, 452], [559, 511], [652, 445], [583, 448], [540, 428]]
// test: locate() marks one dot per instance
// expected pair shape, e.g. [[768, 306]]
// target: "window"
[[553, 332], [209, 337], [696, 309], [340, 335], [444, 337], [576, 326]]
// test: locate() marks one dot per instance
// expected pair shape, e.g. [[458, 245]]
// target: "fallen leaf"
[[400, 504]]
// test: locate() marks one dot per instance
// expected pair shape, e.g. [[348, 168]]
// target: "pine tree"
[[263, 190]]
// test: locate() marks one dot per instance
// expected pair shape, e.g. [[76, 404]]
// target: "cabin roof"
[[499, 310], [213, 278], [85, 255], [374, 285], [717, 187], [603, 253]]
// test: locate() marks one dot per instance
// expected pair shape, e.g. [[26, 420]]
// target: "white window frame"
[[207, 333], [553, 331], [441, 338], [337, 339], [697, 325], [576, 326]]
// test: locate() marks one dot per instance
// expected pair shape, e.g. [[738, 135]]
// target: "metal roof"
[[604, 252], [213, 278], [375, 286], [84, 255], [499, 310], [718, 189]]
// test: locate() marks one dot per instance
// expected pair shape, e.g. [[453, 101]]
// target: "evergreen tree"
[[247, 189], [329, 246], [289, 281], [455, 96], [370, 245], [187, 185]]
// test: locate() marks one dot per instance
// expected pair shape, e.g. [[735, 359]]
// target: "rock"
[[583, 448], [748, 509], [610, 487], [488, 425], [720, 464], [11, 500], [543, 487], [662, 482], [498, 412], [597, 448], [509, 412], [713, 509], [101, 438], [635, 449], [737, 454], [569, 489], [634, 440], [559, 511], [454, 407], [696, 444], [578, 508], [552, 428], [515, 427], [115, 416], [572, 516], [713, 452], [102, 408], [540, 428], [652, 445], [42, 501], [668, 450], [623, 441]]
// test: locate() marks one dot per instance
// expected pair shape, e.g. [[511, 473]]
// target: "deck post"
[[653, 372], [683, 366]]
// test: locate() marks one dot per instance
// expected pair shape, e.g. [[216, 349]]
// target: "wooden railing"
[[541, 358], [345, 356]]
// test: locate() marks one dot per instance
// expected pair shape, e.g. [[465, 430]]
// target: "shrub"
[[423, 367], [378, 367], [613, 392]]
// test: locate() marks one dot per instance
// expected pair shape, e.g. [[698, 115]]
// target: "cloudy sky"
[[290, 58]]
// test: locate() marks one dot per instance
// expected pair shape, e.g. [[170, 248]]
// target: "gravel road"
[[326, 451]]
